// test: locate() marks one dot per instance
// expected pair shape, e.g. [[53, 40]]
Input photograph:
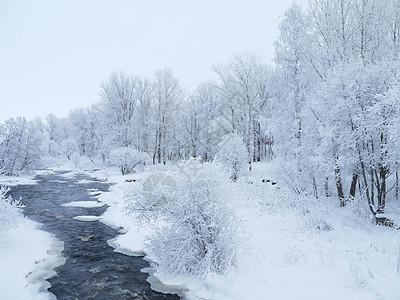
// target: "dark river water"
[[92, 269]]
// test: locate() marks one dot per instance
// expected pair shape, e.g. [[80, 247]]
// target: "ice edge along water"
[[24, 273], [45, 269], [156, 282], [130, 241]]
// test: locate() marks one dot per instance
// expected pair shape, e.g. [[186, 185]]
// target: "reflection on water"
[[92, 269]]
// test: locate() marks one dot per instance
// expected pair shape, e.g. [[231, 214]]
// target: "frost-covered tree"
[[57, 130], [380, 155], [69, 147], [205, 131], [333, 63], [193, 125], [168, 96], [21, 146], [83, 125], [243, 90], [53, 127], [144, 114], [232, 154], [293, 78], [348, 138], [296, 72], [118, 105]]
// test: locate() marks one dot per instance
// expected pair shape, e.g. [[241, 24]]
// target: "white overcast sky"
[[54, 54]]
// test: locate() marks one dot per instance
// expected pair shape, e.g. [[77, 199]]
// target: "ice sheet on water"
[[86, 204], [124, 250], [84, 181], [86, 218]]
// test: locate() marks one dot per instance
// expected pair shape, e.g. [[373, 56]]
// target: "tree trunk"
[[372, 187], [382, 190], [326, 187], [397, 185], [353, 187], [315, 187], [155, 148], [367, 192], [339, 186]]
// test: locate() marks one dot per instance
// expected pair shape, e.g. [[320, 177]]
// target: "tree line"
[[328, 108], [156, 116]]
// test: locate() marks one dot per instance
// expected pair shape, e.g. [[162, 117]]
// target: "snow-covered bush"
[[127, 159], [9, 211], [202, 230], [232, 154], [315, 222]]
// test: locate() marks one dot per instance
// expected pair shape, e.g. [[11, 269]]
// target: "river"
[[92, 269]]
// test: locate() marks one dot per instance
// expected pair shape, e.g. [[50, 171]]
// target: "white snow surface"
[[86, 204], [86, 218], [290, 250], [131, 241], [28, 257], [16, 180]]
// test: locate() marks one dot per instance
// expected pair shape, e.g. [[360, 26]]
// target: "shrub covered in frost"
[[127, 159], [201, 233], [10, 211], [232, 154]]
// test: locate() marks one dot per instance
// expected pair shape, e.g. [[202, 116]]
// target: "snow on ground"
[[86, 218], [16, 180], [84, 181], [292, 248], [86, 204], [28, 257], [131, 241]]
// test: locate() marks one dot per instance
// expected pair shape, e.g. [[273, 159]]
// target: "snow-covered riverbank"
[[28, 256], [292, 247], [291, 251]]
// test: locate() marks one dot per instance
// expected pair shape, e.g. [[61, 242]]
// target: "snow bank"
[[86, 204], [131, 240], [16, 180], [86, 218], [85, 181], [284, 255], [28, 257], [130, 243]]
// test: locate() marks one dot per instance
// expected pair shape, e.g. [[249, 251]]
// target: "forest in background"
[[328, 109]]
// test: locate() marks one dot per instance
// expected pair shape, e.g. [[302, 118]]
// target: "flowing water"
[[92, 269]]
